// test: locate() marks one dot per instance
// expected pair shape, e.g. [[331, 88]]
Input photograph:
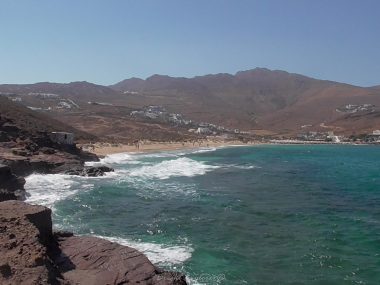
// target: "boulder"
[[11, 186], [90, 171], [10, 128]]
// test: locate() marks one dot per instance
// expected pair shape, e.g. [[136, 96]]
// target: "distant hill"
[[91, 111], [33, 122], [81, 90], [259, 99], [269, 101]]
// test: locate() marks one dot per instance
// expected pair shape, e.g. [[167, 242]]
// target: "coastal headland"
[[30, 252]]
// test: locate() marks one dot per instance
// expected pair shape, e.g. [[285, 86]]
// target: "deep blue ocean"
[[236, 215]]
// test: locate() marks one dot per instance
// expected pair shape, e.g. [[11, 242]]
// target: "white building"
[[203, 131]]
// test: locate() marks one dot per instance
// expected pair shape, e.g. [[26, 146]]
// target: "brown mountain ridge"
[[259, 99], [262, 99]]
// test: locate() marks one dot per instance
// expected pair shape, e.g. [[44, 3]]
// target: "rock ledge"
[[30, 253]]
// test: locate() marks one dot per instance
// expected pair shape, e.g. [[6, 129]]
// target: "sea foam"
[[116, 158], [246, 167], [157, 253], [47, 189], [203, 150], [173, 168]]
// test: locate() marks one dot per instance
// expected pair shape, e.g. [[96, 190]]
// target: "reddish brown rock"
[[98, 261], [31, 254], [24, 233]]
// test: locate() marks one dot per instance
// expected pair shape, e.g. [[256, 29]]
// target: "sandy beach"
[[103, 149]]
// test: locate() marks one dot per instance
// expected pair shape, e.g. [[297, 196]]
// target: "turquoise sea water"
[[239, 215]]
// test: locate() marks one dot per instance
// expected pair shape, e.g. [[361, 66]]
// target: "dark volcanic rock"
[[4, 136], [91, 171], [11, 186], [10, 128], [42, 163], [46, 162], [21, 152], [31, 254]]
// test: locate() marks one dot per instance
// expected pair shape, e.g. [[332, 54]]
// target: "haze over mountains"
[[271, 102]]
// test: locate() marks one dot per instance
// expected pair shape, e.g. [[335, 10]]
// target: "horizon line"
[[191, 77]]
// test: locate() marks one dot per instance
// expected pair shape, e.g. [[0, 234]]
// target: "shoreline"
[[104, 149]]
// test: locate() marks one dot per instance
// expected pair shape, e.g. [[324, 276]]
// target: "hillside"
[[258, 99], [92, 112], [81, 91], [34, 122], [26, 145]]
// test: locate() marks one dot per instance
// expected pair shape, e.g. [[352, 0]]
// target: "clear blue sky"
[[110, 40]]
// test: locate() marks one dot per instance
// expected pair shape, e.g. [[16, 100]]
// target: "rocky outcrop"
[[11, 186], [40, 163], [25, 232], [25, 158], [58, 159], [26, 145], [97, 261], [90, 171], [30, 253]]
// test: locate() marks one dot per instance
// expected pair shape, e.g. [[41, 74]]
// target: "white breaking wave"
[[158, 155], [238, 166], [157, 253], [192, 281], [202, 150], [245, 166], [173, 168], [177, 153], [47, 189], [133, 158], [196, 150], [117, 158]]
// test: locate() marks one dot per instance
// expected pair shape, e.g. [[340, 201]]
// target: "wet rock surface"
[[90, 171], [30, 253]]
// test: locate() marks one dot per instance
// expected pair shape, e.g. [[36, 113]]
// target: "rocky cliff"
[[11, 186], [30, 253], [25, 143]]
